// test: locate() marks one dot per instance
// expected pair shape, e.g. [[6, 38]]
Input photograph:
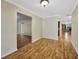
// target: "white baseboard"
[[75, 48], [56, 38], [33, 40], [8, 53]]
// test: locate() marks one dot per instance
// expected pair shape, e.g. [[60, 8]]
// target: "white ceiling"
[[54, 8]]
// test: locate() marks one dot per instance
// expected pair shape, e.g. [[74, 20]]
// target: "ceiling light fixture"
[[44, 3]]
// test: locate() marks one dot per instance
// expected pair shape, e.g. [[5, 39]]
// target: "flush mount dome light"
[[44, 3]]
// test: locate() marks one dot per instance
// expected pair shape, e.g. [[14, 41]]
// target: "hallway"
[[30, 29]]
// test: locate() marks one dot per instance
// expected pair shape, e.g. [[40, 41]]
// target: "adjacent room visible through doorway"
[[65, 29], [24, 34]]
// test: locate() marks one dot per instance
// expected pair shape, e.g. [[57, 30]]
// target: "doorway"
[[58, 28], [65, 29], [24, 30]]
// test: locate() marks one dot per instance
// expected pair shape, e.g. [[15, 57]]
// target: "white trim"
[[74, 47], [17, 5], [33, 40], [8, 53], [72, 10]]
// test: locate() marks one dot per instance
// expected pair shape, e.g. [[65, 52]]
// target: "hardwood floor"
[[67, 36], [23, 40], [45, 49]]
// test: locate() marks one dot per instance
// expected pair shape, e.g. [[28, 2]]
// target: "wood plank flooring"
[[45, 49], [23, 40]]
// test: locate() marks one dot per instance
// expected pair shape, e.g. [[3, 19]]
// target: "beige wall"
[[9, 27], [36, 28], [50, 28], [75, 29]]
